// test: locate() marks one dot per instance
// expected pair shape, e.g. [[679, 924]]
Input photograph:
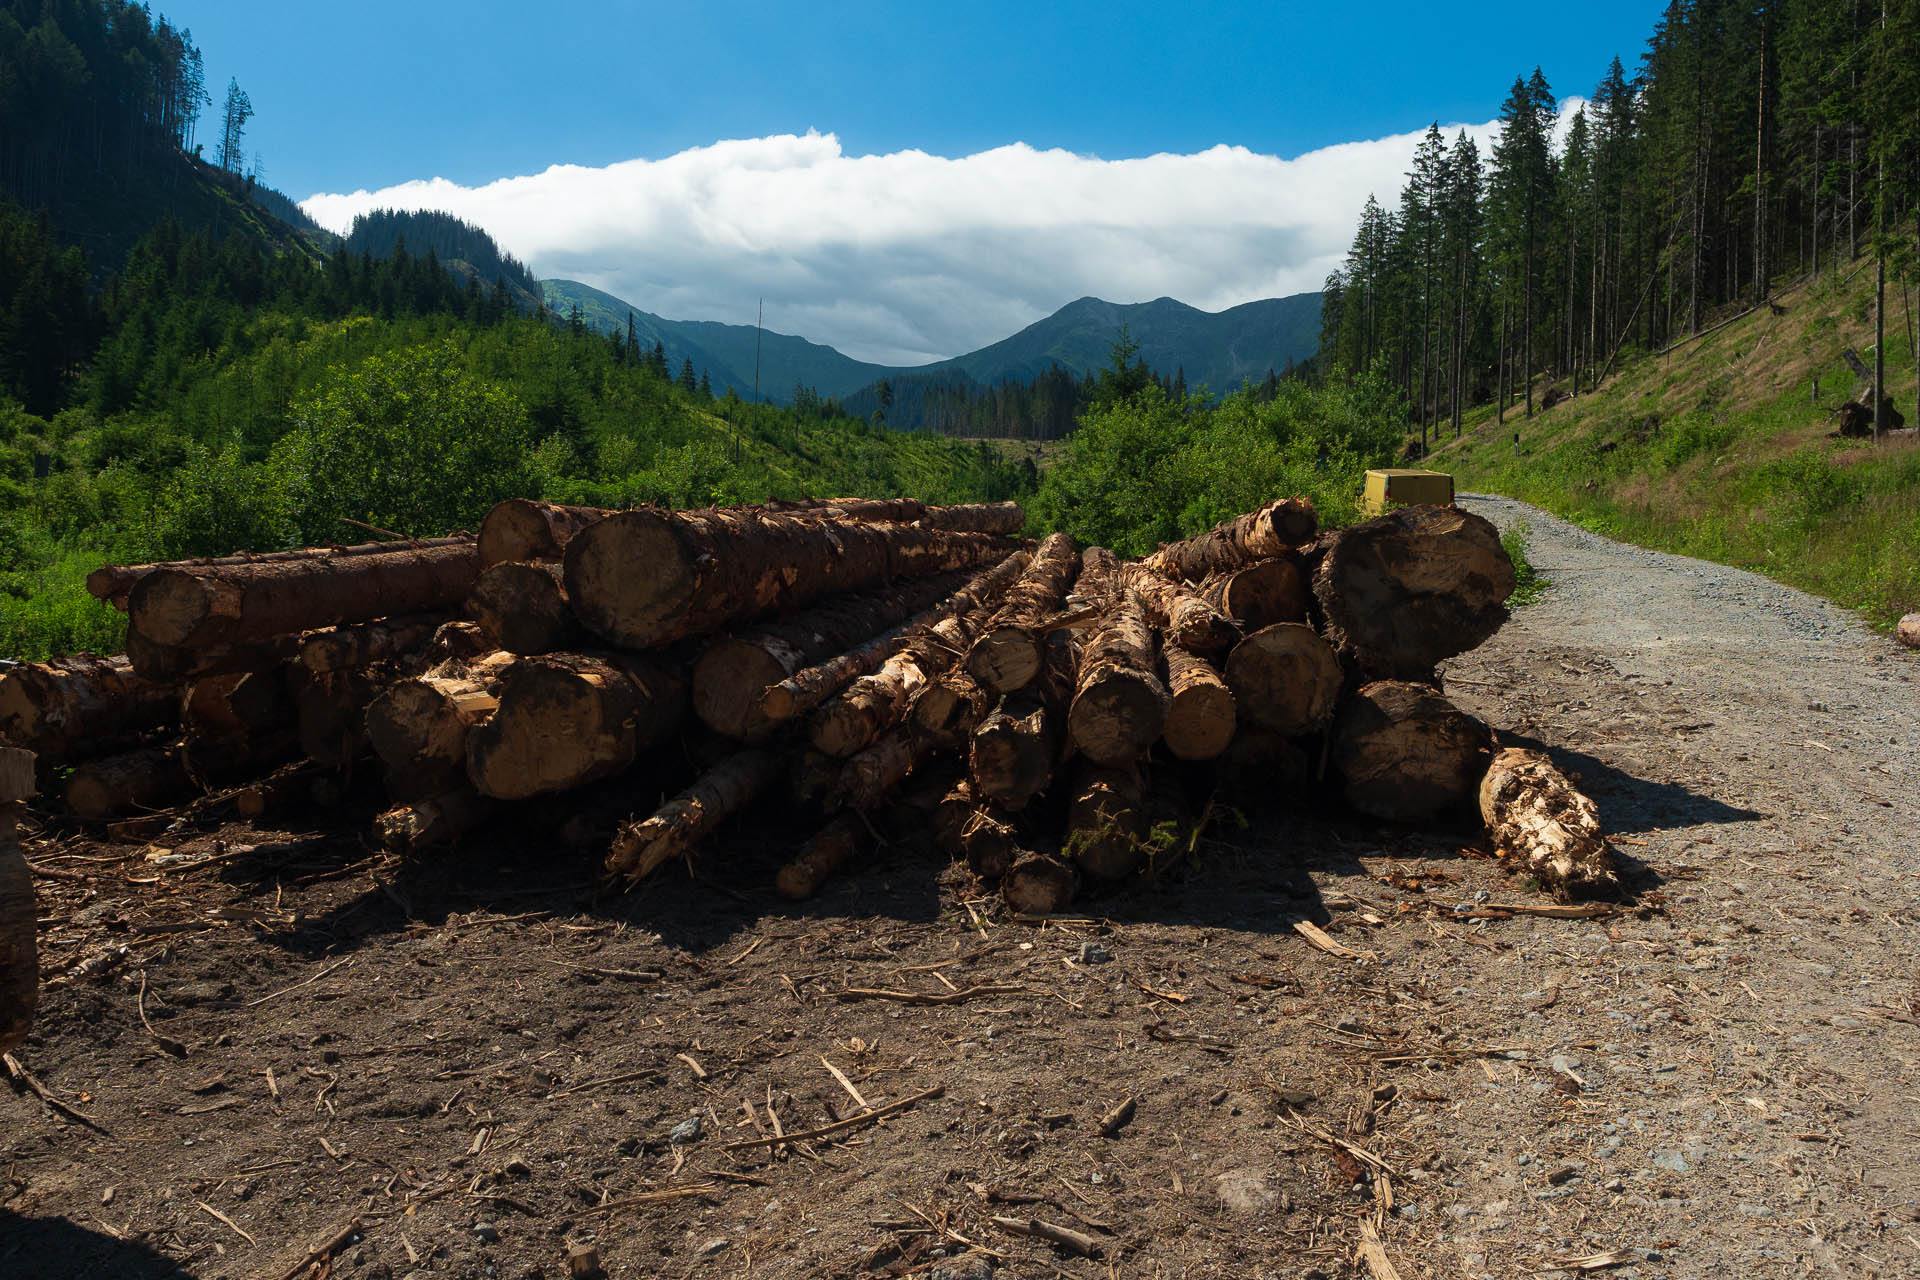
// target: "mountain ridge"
[[1216, 349]]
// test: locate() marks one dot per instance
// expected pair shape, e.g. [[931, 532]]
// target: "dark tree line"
[[451, 239], [96, 88], [1755, 144]]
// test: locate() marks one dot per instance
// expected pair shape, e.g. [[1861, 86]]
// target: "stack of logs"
[[1051, 713]]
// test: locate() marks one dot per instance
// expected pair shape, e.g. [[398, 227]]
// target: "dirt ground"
[[303, 1049]]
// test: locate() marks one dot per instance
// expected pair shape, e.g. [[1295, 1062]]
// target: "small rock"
[[487, 1232], [1672, 1161], [970, 1266], [1756, 1211], [713, 1246], [1094, 953], [687, 1130], [1246, 1192]]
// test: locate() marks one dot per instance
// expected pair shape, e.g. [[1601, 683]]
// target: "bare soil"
[[476, 1066]]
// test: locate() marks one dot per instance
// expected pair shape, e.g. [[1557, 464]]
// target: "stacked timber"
[[1043, 710]]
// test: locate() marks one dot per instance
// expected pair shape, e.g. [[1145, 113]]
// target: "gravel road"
[[1744, 1056]]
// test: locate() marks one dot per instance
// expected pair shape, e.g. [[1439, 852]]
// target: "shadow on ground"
[[58, 1249]]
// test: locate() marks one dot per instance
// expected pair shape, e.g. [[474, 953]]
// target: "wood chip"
[[846, 1084], [1118, 1118], [927, 997], [1066, 1237], [229, 1221], [1597, 1261], [1374, 1254], [1320, 938]]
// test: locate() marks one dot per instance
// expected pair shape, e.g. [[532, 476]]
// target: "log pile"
[[1059, 712]]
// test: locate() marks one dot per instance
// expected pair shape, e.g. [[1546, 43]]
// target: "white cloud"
[[911, 257]]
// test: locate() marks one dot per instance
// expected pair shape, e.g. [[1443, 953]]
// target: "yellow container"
[[1400, 487]]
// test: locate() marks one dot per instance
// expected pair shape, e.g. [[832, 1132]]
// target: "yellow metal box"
[[1400, 487]]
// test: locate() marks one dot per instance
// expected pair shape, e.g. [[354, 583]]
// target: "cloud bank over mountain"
[[910, 257]]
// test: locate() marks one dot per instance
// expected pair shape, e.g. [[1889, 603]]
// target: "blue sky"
[[358, 97]]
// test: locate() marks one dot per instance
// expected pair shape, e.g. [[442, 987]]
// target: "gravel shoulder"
[[478, 1066]]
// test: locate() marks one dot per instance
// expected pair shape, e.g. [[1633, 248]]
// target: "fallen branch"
[[839, 1126], [26, 1077], [324, 1250], [926, 997], [1066, 1237]]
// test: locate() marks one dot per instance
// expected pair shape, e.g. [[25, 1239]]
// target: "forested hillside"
[[466, 250], [1752, 145]]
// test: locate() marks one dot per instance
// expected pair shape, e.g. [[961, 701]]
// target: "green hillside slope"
[[1720, 448]]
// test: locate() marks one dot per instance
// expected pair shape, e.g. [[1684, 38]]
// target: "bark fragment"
[[1543, 825]]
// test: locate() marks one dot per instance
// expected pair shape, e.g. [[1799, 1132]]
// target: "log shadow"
[[56, 1248], [1629, 803]]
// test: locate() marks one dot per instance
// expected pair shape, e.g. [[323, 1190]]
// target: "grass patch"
[[1528, 585]]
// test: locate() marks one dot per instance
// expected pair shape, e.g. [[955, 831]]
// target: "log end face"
[[1117, 715], [168, 607], [1285, 678], [630, 578], [1200, 722], [1406, 753], [514, 530], [1006, 659], [729, 682]]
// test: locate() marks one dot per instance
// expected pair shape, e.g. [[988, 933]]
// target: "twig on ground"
[[840, 1126], [1066, 1237], [925, 997], [45, 1094]]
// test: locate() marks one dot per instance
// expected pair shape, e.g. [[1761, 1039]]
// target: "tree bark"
[[458, 640], [951, 708], [214, 763], [521, 529], [857, 716], [143, 779], [950, 818], [1273, 530], [1179, 611], [434, 821], [832, 847], [1119, 703], [1260, 768], [201, 607], [418, 727], [1285, 678], [566, 719], [1107, 823], [733, 675], [1406, 753], [174, 664], [678, 826], [114, 583], [1012, 648], [81, 705], [970, 517], [704, 570], [1542, 825], [1201, 713], [1412, 588], [1261, 594], [1038, 885], [804, 690], [237, 706], [869, 776], [990, 842], [1012, 754], [522, 605]]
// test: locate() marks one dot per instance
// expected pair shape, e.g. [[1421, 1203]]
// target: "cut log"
[[1412, 588], [1406, 753], [331, 711], [202, 607], [285, 787], [868, 777], [173, 664], [81, 705], [856, 717], [813, 778], [645, 578], [1013, 752], [990, 841], [950, 817], [1180, 613], [362, 644], [457, 641], [523, 606], [114, 583], [948, 710], [1012, 647], [840, 842], [1261, 594], [1107, 824], [522, 529], [565, 720], [237, 706], [1261, 769], [1038, 884], [1542, 825], [734, 674], [968, 517], [678, 826], [436, 821], [214, 763], [1285, 678], [804, 690], [1119, 702], [418, 727], [1201, 712], [1273, 530], [133, 781]]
